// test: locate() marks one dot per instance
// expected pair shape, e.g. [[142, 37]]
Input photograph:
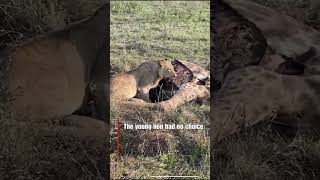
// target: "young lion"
[[139, 81], [50, 75]]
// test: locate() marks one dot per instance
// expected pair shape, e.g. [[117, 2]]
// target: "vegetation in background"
[[149, 30], [307, 11], [21, 19]]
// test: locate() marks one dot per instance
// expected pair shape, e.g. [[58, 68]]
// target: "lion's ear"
[[163, 62]]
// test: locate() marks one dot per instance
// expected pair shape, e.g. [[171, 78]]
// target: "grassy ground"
[[142, 31], [264, 152], [307, 11], [270, 152], [24, 19], [34, 151]]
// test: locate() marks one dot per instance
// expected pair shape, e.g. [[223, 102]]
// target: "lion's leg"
[[73, 125], [85, 122], [86, 126]]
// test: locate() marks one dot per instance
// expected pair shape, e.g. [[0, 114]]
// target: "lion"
[[190, 83], [139, 81], [57, 74]]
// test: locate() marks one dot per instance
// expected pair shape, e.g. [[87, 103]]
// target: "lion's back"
[[46, 78], [123, 86]]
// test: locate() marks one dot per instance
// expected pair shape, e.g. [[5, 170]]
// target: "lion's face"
[[167, 69]]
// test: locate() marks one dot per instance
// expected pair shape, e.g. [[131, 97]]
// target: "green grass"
[[307, 11], [268, 152], [21, 19], [143, 31]]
